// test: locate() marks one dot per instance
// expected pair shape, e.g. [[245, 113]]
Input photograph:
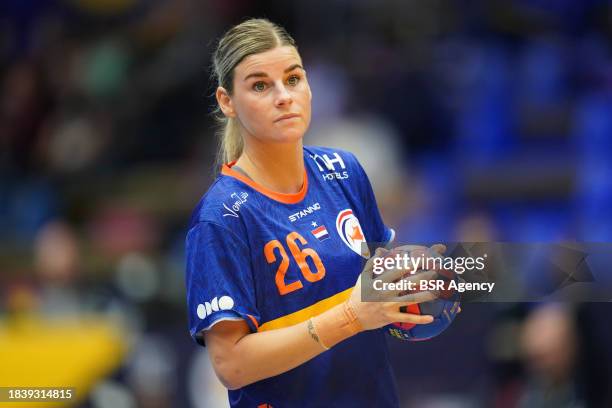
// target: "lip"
[[287, 116]]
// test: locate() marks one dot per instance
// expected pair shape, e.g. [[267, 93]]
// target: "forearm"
[[261, 355], [266, 354]]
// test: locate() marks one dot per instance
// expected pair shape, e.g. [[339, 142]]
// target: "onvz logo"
[[306, 211], [216, 304], [327, 165], [239, 200]]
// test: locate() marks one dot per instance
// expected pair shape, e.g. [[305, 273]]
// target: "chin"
[[290, 135]]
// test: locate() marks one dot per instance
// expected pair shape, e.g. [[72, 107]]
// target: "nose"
[[283, 96]]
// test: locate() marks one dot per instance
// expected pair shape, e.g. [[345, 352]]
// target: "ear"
[[225, 102]]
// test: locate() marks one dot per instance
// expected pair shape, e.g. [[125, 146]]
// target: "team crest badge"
[[351, 233]]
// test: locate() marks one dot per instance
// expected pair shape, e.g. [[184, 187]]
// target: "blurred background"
[[475, 120]]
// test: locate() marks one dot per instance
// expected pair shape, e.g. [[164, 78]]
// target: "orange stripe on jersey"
[[254, 321], [226, 170], [304, 314]]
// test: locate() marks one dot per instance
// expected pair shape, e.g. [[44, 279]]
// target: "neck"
[[277, 166]]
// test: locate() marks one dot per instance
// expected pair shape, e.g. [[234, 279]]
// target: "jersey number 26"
[[299, 256]]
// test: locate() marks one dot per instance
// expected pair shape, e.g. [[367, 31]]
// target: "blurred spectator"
[[565, 362], [550, 348]]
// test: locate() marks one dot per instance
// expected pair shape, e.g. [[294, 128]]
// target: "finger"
[[431, 258], [414, 298], [416, 284], [419, 252], [413, 280], [369, 266], [439, 248], [396, 274], [410, 318], [380, 251], [408, 248]]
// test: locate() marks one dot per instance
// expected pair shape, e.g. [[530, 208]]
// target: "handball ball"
[[444, 309]]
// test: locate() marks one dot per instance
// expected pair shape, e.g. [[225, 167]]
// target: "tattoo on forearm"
[[312, 332]]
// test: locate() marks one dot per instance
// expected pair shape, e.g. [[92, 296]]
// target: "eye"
[[293, 80], [259, 86]]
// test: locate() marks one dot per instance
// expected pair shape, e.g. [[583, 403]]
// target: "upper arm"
[[221, 340], [223, 336], [219, 282], [376, 230]]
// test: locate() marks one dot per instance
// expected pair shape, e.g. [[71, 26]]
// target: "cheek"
[[250, 111], [303, 95], [307, 104]]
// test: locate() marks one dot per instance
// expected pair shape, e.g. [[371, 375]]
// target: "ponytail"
[[231, 143]]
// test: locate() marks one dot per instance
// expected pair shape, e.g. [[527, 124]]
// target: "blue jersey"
[[275, 260]]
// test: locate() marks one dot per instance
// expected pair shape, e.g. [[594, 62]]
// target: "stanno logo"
[[240, 199], [327, 165], [306, 211]]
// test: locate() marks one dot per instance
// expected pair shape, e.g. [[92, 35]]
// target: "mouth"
[[287, 116]]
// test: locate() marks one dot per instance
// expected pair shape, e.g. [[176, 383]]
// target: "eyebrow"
[[263, 74]]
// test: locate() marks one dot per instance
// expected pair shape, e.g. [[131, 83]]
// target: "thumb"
[[439, 248]]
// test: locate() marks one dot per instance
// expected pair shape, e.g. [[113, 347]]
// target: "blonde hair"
[[247, 38]]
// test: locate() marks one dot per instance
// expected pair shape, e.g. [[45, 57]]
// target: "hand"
[[385, 307], [435, 250]]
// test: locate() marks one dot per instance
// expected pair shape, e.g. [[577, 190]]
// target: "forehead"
[[278, 58]]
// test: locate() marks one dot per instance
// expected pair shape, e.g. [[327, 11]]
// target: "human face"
[[271, 97]]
